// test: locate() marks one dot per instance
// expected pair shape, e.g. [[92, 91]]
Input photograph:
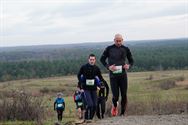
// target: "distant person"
[[80, 105], [116, 55], [102, 97], [88, 77], [59, 106]]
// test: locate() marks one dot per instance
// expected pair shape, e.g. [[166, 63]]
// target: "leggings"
[[101, 105], [59, 114], [119, 83]]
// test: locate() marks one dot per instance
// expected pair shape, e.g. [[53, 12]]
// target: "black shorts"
[[78, 106]]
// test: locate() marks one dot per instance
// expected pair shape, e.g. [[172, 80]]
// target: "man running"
[[117, 55], [89, 76]]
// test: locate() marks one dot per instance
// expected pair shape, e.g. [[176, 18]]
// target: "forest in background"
[[59, 60]]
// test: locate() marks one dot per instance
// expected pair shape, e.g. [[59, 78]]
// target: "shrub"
[[168, 84], [186, 87], [44, 90], [180, 78], [150, 77], [21, 106]]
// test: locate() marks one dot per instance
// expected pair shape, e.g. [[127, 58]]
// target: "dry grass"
[[144, 93], [21, 106], [154, 106]]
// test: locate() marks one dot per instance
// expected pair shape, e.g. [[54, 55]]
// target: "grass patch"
[[154, 104], [145, 94]]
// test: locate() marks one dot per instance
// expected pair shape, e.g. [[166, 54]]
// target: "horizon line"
[[88, 42]]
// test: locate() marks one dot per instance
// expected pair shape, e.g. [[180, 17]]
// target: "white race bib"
[[90, 82], [60, 105], [80, 103], [118, 70]]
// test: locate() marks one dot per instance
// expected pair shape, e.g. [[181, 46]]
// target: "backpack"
[[78, 97]]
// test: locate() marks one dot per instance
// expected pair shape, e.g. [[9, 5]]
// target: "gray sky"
[[36, 22]]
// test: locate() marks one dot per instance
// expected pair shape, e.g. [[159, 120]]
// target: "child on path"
[[102, 97], [59, 106], [79, 100]]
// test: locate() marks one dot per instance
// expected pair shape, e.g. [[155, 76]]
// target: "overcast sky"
[[36, 22]]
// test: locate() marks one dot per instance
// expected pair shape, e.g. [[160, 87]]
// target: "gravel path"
[[144, 120]]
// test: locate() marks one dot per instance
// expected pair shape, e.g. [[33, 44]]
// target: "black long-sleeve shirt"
[[116, 55], [89, 72]]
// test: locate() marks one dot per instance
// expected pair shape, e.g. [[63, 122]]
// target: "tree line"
[[60, 62]]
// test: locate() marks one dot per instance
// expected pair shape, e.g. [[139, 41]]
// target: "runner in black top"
[[117, 55], [89, 76]]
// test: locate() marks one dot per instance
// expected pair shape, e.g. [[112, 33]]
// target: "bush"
[[150, 77], [180, 78], [167, 84], [186, 87], [44, 90], [21, 106]]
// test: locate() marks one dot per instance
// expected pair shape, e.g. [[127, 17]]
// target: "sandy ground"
[[144, 120]]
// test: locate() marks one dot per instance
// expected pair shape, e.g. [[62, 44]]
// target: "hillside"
[[57, 52], [157, 97], [58, 60]]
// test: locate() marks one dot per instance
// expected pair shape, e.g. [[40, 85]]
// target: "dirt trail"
[[144, 120]]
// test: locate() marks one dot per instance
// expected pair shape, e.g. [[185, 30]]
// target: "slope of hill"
[[57, 52], [154, 98], [57, 60]]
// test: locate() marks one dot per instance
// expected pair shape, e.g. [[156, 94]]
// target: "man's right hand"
[[112, 68]]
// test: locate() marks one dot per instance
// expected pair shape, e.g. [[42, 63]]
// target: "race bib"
[[118, 70], [80, 103], [59, 105], [90, 82]]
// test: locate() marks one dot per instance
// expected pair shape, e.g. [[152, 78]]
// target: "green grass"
[[140, 90]]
